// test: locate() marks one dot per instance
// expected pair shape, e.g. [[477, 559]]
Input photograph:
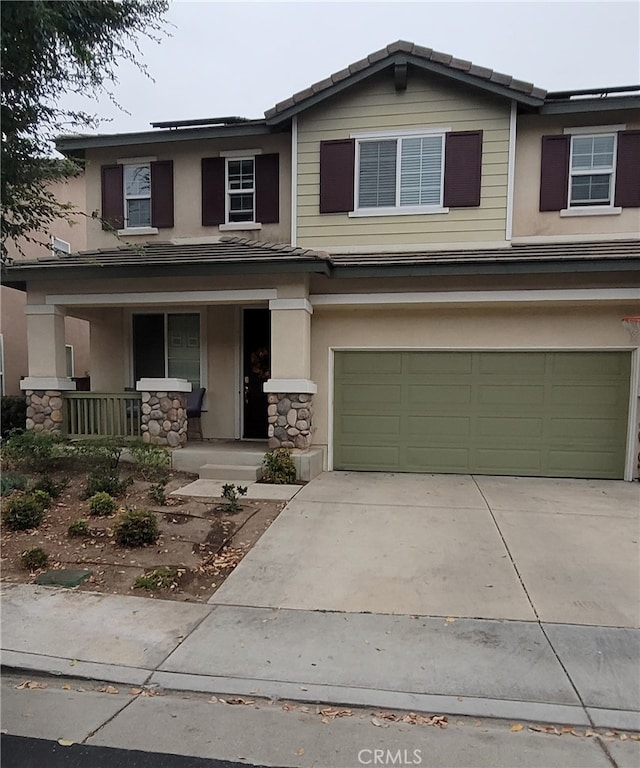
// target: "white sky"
[[237, 58]]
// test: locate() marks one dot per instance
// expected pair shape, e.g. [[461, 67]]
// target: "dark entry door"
[[256, 371]]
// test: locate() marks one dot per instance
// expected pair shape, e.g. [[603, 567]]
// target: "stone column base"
[[290, 417], [44, 410], [164, 418]]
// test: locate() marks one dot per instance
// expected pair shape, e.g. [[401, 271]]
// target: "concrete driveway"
[[515, 548]]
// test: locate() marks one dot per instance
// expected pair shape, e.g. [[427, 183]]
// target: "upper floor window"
[[411, 172], [592, 169], [400, 173], [58, 245], [240, 190], [137, 196]]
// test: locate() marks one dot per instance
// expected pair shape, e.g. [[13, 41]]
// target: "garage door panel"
[[522, 395], [557, 414], [440, 363], [363, 424], [509, 427], [434, 427], [515, 363], [440, 459], [434, 395], [510, 460]]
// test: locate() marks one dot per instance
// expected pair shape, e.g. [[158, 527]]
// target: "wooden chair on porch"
[[194, 401]]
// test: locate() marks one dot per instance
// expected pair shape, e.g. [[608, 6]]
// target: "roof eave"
[[429, 66], [73, 144], [607, 104]]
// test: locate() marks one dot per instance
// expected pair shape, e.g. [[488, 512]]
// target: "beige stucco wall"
[[512, 326], [187, 156], [528, 220], [428, 102]]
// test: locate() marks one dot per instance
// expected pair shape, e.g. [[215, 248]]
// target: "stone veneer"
[[290, 418], [164, 418], [44, 410]]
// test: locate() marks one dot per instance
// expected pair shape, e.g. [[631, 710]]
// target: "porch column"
[[47, 379], [290, 390], [164, 411]]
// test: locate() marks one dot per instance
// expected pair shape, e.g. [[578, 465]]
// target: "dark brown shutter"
[[554, 173], [337, 162], [212, 191], [462, 169], [112, 197], [162, 194], [628, 170], [267, 188]]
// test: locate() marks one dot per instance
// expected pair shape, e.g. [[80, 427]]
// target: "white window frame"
[[135, 197], [58, 245], [586, 131], [228, 193], [73, 361], [397, 136]]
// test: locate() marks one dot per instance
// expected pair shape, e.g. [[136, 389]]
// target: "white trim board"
[[476, 297], [511, 171], [163, 297]]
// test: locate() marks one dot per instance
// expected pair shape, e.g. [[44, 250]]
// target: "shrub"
[[39, 451], [25, 510], [12, 481], [14, 414], [278, 467], [158, 494], [33, 559], [230, 493], [135, 528], [152, 462], [107, 481], [50, 486], [104, 452], [160, 578], [101, 504], [78, 529]]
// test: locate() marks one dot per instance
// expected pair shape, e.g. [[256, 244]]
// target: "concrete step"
[[191, 457], [229, 472]]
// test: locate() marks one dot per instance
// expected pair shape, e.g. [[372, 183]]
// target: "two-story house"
[[416, 264]]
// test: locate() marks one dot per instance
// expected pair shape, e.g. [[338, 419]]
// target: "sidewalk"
[[520, 670]]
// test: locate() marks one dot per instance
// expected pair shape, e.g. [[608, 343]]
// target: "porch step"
[[230, 472]]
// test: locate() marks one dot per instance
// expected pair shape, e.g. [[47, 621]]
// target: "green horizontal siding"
[[548, 414]]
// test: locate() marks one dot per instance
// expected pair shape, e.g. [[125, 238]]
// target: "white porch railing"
[[103, 414]]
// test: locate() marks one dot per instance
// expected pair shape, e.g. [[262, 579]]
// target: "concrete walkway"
[[405, 591]]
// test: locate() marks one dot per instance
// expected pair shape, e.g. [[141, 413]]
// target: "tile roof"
[[418, 54]]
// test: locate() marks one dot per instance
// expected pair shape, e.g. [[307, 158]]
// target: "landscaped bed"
[[198, 544]]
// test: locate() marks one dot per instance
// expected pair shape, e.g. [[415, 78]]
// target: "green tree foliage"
[[51, 48]]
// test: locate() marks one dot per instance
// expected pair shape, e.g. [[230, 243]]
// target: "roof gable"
[[398, 55]]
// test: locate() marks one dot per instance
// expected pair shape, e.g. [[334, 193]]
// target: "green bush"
[[101, 504], [107, 481], [78, 529], [278, 467], [158, 494], [33, 559], [50, 486], [152, 462], [40, 451], [231, 494], [25, 510], [135, 528], [103, 452], [13, 414], [12, 481], [160, 578]]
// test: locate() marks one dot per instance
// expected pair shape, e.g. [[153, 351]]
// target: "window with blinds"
[[402, 172]]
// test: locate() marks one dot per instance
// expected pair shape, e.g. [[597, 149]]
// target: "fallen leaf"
[[135, 691], [72, 663], [238, 700], [516, 727], [213, 700], [66, 687], [108, 689], [379, 723], [449, 619], [536, 728], [300, 751], [65, 742]]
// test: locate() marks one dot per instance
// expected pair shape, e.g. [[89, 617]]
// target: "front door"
[[256, 371]]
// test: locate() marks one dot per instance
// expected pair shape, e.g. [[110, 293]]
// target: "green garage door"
[[547, 414]]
